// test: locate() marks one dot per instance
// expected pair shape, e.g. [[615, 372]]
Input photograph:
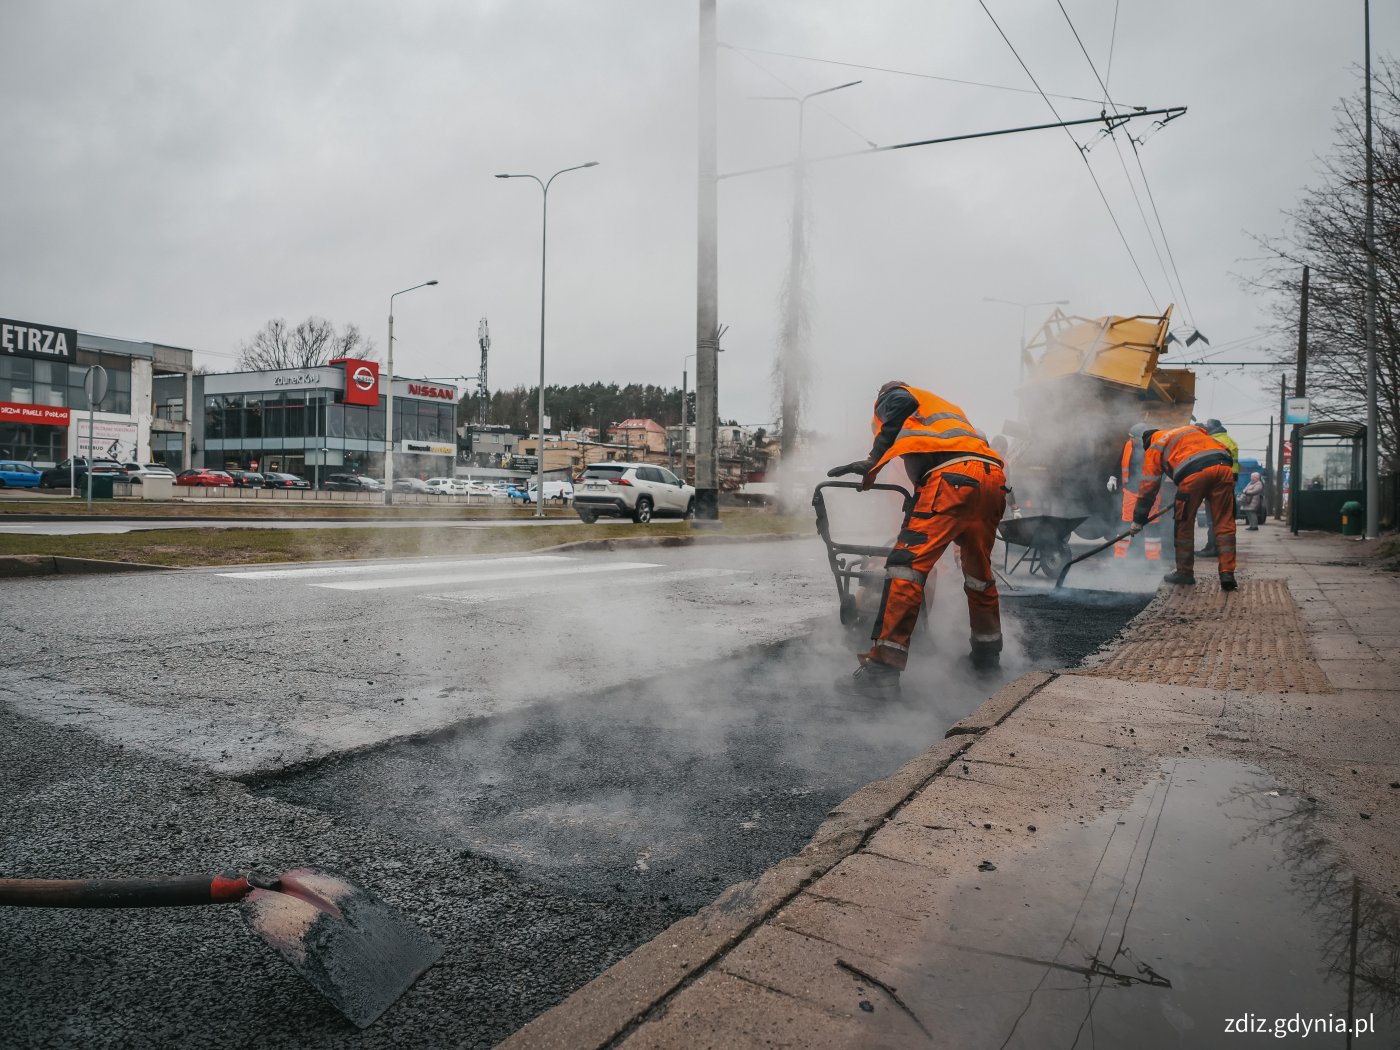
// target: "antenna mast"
[[483, 337]]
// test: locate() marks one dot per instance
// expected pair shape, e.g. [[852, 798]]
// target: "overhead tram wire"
[[1077, 149], [1190, 314], [904, 73]]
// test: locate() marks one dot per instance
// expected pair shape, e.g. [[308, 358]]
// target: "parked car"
[[411, 485], [631, 490], [447, 486], [351, 483], [560, 490], [246, 479], [515, 492], [19, 475], [273, 479], [76, 469], [137, 472], [200, 477]]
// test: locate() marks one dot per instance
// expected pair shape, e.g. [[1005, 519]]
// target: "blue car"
[[19, 475]]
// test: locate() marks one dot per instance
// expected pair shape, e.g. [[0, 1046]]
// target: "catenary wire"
[[1089, 167], [904, 73], [1181, 288]]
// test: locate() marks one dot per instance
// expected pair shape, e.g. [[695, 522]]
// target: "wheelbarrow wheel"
[[849, 612], [1053, 558]]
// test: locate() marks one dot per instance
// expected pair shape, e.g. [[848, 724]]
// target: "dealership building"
[[302, 420], [44, 411]]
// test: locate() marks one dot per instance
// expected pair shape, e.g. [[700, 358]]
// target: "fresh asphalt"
[[543, 762]]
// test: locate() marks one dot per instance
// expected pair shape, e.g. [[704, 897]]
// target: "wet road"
[[552, 759]]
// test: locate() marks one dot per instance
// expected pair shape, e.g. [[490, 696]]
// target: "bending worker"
[[959, 497], [1216, 429], [1200, 466]]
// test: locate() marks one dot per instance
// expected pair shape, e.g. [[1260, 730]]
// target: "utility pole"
[[1300, 389], [1282, 422], [707, 280], [1269, 468], [1373, 429]]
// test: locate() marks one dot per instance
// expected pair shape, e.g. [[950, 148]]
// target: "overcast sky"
[[181, 172]]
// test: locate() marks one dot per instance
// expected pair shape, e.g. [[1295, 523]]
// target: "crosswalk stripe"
[[482, 597], [438, 579], [431, 566]]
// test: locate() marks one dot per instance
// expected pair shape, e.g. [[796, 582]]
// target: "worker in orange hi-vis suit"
[[1128, 479], [959, 497], [1200, 466]]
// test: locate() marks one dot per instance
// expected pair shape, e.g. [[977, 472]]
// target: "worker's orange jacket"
[[1178, 453], [936, 426]]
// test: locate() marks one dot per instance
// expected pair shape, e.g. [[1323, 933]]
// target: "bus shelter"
[[1328, 471]]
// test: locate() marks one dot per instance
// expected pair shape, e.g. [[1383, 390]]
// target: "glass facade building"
[[260, 427]]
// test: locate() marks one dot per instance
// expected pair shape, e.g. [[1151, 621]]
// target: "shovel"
[[343, 940], [1100, 549]]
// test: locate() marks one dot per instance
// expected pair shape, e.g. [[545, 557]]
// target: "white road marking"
[[429, 566], [482, 597], [439, 579]]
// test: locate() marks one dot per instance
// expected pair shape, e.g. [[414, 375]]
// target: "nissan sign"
[[361, 381], [25, 339]]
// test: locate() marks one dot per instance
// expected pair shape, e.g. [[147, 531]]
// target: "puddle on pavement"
[[1216, 906]]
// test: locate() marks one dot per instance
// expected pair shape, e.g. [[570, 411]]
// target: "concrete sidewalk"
[[1197, 835]]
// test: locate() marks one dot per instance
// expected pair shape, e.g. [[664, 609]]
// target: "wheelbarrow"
[[859, 568], [1045, 539]]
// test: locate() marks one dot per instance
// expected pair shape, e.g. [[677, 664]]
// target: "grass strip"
[[180, 548]]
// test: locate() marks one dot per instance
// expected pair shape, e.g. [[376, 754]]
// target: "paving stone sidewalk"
[[1204, 825]]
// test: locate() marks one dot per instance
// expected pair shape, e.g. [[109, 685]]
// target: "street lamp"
[[1024, 307], [790, 353], [544, 242], [389, 401]]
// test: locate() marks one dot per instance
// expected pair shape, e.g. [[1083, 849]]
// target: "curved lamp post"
[[544, 244], [389, 401]]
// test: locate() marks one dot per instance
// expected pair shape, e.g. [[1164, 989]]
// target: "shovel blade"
[[346, 943]]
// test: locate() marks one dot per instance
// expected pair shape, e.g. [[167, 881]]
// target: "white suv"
[[638, 491]]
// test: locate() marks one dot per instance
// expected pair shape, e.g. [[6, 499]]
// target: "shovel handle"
[[177, 891]]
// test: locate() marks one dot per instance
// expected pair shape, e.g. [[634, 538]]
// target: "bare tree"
[[1327, 232], [309, 344]]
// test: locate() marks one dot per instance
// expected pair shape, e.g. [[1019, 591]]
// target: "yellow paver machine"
[[1086, 381]]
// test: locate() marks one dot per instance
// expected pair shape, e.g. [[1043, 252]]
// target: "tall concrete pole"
[[1373, 430], [707, 280], [1300, 389], [1282, 417]]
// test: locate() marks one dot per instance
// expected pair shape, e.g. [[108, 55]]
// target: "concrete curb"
[[637, 986], [999, 708], [14, 566]]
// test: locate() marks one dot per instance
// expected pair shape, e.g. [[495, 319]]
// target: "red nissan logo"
[[364, 378]]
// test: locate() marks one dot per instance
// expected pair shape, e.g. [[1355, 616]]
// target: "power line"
[[1191, 315], [1077, 149], [903, 72]]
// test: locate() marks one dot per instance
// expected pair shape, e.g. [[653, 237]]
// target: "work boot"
[[1227, 581], [984, 663], [1176, 576], [874, 681]]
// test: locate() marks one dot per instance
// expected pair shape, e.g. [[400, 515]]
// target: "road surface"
[[544, 759]]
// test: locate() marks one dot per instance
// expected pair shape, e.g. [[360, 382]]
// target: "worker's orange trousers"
[[1216, 487], [959, 504]]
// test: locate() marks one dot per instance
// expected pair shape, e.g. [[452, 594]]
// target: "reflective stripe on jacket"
[[936, 426]]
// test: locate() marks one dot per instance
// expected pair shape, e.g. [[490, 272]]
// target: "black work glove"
[[860, 466]]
